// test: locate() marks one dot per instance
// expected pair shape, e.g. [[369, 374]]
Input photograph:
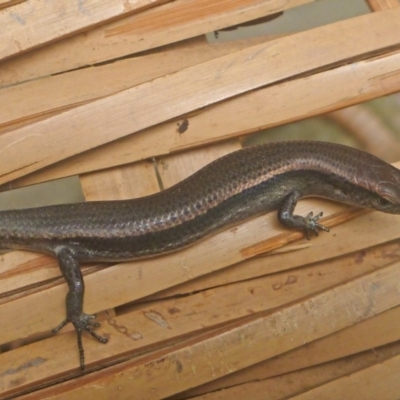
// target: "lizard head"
[[387, 188]]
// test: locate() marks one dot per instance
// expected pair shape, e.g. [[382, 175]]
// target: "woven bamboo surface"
[[252, 312]]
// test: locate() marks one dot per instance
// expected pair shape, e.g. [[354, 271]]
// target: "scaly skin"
[[230, 190]]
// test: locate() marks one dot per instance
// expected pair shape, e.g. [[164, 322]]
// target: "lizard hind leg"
[[81, 321]]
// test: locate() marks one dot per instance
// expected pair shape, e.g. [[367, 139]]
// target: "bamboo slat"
[[380, 5], [216, 80], [264, 108], [364, 124], [378, 381], [8, 3], [176, 21], [34, 23], [339, 348], [292, 383], [41, 98], [261, 337]]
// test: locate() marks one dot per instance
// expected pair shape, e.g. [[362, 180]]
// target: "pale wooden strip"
[[364, 123], [179, 20], [42, 97], [380, 381], [379, 5], [20, 269], [128, 182], [170, 320], [34, 23], [175, 168], [259, 339], [382, 329], [8, 3], [293, 383], [90, 125], [263, 108]]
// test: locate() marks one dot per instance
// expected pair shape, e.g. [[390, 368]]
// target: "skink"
[[236, 187]]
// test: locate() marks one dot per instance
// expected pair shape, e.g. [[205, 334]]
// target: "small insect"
[[183, 126]]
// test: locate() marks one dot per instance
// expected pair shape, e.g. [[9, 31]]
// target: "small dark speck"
[[251, 290], [183, 126], [173, 310]]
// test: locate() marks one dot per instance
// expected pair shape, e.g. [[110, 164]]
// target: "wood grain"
[[34, 23], [88, 126], [8, 3], [264, 108], [380, 5], [290, 384], [378, 381], [260, 337], [339, 347], [43, 97], [165, 24]]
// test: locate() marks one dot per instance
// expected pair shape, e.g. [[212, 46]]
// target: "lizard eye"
[[384, 202]]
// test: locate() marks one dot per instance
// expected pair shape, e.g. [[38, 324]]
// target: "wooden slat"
[[262, 337], [162, 25], [380, 5], [176, 168], [380, 381], [290, 384], [43, 97], [364, 123], [111, 185], [207, 309], [271, 106], [90, 125], [348, 342], [8, 3], [34, 23]]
